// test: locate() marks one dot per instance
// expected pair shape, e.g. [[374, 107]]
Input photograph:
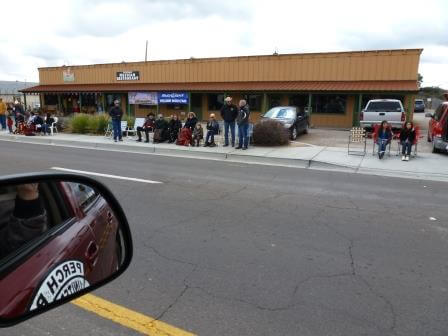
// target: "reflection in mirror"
[[56, 238]]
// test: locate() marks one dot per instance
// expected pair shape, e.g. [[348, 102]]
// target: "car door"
[[301, 120], [101, 255], [438, 114], [59, 267]]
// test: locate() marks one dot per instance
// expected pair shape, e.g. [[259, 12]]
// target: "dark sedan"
[[294, 120]]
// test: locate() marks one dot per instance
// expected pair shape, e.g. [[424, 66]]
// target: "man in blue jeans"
[[243, 125], [116, 113], [229, 113], [3, 110]]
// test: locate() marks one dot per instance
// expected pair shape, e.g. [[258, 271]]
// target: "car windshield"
[[383, 106], [280, 113]]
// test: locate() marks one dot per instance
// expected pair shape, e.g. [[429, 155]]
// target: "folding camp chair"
[[138, 123], [357, 135]]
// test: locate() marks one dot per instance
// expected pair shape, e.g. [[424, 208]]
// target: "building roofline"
[[337, 53]]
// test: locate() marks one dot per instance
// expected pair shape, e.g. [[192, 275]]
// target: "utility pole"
[[146, 51]]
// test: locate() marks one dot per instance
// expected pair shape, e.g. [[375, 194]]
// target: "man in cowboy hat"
[[229, 112]]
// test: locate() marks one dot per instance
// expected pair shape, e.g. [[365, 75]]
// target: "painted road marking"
[[106, 175], [133, 320]]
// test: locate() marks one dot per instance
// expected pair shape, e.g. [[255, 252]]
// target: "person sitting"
[[198, 135], [383, 138], [38, 122], [160, 131], [191, 121], [212, 130], [46, 126], [407, 138], [173, 128], [148, 126]]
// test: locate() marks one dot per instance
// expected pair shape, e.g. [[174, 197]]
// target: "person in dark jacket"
[[384, 137], [407, 138], [46, 126], [22, 217], [212, 130], [191, 121], [160, 131], [116, 113], [148, 126], [198, 135], [38, 122], [229, 112], [243, 125], [174, 127]]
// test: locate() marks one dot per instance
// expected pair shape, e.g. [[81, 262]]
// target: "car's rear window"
[[276, 112], [385, 106]]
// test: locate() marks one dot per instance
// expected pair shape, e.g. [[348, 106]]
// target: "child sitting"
[[212, 130], [198, 135]]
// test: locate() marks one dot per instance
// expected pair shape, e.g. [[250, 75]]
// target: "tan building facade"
[[332, 87]]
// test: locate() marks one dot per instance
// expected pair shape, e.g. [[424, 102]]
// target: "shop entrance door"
[[196, 104]]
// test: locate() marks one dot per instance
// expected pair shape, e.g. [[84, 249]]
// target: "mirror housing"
[[61, 236]]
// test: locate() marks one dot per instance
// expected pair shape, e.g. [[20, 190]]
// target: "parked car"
[[377, 110], [294, 120], [438, 128], [76, 240], [419, 105]]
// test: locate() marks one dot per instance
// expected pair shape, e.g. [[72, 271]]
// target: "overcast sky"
[[53, 33]]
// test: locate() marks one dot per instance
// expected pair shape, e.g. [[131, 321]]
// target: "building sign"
[[143, 98], [68, 75], [173, 98], [128, 76]]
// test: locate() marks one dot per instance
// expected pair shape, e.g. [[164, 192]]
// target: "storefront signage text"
[[128, 76], [173, 98]]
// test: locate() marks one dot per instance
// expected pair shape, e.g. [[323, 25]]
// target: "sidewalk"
[[425, 166]]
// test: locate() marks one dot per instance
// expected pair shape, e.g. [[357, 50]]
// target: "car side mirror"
[[429, 115], [61, 236]]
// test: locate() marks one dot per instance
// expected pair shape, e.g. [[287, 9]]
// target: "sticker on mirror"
[[64, 280]]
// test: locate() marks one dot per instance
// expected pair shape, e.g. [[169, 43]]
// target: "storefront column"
[[59, 103], [189, 102], [357, 110], [40, 102], [24, 99], [128, 106], [264, 104], [310, 97], [80, 102]]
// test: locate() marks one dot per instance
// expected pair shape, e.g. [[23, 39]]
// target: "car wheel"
[[293, 133], [306, 130], [434, 148]]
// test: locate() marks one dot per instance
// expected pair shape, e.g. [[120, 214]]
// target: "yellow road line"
[[128, 318]]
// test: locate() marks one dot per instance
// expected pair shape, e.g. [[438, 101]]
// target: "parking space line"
[[128, 318], [106, 175]]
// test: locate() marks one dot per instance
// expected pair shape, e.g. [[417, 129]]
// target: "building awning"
[[308, 86]]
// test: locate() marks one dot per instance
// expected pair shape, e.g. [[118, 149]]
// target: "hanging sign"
[[68, 75], [142, 98], [173, 98], [128, 76]]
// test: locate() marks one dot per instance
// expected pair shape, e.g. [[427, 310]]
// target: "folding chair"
[[138, 123], [357, 135], [109, 130], [53, 127], [124, 127]]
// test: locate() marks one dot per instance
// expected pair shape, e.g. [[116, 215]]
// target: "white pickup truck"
[[378, 110]]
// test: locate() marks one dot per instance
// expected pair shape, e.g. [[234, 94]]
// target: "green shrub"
[[270, 133], [98, 123], [130, 120], [79, 123]]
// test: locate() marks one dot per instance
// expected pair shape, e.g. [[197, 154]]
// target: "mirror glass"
[[56, 239]]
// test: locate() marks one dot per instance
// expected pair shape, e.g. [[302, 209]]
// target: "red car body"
[[81, 252], [437, 128]]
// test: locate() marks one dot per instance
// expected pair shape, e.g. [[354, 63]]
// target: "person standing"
[[229, 112], [3, 114], [116, 113], [243, 125]]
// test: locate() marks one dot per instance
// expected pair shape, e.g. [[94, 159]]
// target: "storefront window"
[[330, 103], [88, 100], [300, 101], [254, 101], [215, 101], [274, 101], [50, 99]]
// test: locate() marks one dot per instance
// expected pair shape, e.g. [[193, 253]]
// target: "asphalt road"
[[236, 249]]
